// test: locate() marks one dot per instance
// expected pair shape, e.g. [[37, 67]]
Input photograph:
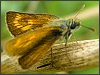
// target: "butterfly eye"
[[75, 25]]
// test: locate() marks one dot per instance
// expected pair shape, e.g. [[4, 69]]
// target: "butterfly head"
[[73, 24], [68, 26]]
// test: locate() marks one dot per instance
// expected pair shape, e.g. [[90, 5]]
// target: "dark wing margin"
[[19, 23]]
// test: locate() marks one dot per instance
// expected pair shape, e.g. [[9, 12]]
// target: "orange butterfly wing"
[[39, 50], [19, 23]]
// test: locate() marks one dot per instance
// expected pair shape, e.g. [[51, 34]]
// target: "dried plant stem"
[[74, 56]]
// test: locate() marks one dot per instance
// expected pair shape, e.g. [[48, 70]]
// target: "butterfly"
[[34, 34]]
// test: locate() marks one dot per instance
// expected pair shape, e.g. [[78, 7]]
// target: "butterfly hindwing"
[[19, 23], [39, 50]]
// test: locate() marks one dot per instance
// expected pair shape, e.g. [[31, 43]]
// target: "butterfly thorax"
[[67, 25]]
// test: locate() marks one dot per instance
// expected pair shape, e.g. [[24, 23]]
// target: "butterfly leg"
[[67, 53], [51, 62], [67, 36], [77, 43]]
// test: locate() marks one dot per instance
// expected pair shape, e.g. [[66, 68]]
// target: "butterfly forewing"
[[19, 23]]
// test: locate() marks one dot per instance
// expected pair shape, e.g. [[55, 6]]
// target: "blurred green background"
[[58, 8]]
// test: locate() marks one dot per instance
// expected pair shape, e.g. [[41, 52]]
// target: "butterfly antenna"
[[88, 28], [83, 6]]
